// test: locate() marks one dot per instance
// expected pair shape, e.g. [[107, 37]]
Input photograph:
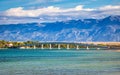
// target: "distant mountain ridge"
[[107, 29]]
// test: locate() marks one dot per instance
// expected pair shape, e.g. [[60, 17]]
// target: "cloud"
[[51, 13], [51, 10], [20, 12], [109, 10], [109, 7]]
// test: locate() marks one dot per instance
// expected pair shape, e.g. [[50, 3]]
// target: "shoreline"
[[109, 49]]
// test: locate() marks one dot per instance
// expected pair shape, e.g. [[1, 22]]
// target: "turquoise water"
[[59, 62]]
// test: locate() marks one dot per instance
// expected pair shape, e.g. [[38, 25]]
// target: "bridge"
[[65, 45]]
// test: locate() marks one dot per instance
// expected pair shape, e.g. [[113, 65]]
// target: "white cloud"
[[20, 12], [56, 11], [79, 7], [109, 7], [51, 13], [51, 10]]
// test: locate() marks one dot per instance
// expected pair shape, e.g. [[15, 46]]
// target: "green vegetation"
[[8, 44], [36, 44]]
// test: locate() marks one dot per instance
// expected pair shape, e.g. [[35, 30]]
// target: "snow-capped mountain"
[[107, 29]]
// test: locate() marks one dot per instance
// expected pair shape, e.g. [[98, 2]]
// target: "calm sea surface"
[[59, 62]]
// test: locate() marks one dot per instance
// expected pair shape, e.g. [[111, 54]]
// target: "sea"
[[59, 62]]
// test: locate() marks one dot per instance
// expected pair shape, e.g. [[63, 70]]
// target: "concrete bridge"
[[65, 45]]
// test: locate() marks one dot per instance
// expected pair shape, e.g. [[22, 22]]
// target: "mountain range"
[[82, 30]]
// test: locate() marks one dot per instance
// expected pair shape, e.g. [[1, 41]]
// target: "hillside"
[[107, 29]]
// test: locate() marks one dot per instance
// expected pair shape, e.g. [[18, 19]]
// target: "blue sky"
[[17, 11], [27, 4]]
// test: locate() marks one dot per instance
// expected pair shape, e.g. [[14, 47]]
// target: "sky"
[[27, 11]]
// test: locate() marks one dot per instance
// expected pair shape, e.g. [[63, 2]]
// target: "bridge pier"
[[34, 47], [87, 48], [58, 46], [68, 46], [42, 46], [77, 47], [98, 48], [50, 46]]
